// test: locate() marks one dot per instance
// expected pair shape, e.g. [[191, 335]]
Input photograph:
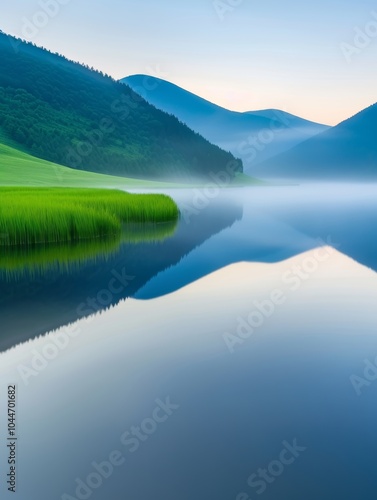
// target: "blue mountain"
[[345, 152], [253, 136]]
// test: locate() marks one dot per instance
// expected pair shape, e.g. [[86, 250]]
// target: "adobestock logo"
[[255, 144], [292, 280], [121, 110], [132, 439], [58, 341], [203, 197], [41, 18], [264, 477], [369, 376], [224, 7], [363, 37], [32, 25], [150, 82]]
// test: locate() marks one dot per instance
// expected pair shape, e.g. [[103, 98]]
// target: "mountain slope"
[[252, 136], [347, 151], [72, 115], [18, 168]]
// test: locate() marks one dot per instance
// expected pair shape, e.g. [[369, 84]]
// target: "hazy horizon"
[[317, 61]]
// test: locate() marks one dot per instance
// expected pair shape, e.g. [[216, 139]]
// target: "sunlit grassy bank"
[[30, 216]]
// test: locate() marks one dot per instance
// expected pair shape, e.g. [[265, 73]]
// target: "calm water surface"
[[256, 225], [235, 410]]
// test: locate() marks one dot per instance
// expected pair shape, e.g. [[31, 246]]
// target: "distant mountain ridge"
[[253, 136], [72, 115], [347, 151]]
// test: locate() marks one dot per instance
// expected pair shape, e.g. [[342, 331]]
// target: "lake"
[[235, 368]]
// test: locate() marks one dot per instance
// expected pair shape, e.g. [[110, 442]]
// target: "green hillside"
[[69, 114], [21, 169]]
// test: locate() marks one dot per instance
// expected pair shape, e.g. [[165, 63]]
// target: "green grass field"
[[30, 216], [18, 168]]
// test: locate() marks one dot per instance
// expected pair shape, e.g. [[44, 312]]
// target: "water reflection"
[[41, 294], [289, 380], [17, 263], [267, 224]]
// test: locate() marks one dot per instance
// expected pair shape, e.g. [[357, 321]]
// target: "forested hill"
[[70, 114]]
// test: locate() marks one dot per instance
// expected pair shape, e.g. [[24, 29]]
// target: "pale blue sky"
[[262, 54]]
